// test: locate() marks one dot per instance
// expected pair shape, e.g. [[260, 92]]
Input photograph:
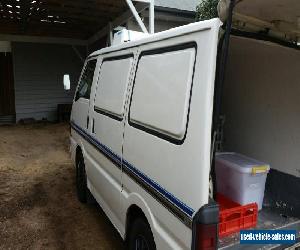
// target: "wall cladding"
[[38, 72]]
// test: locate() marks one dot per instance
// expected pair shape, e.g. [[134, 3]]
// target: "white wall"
[[262, 103], [38, 72]]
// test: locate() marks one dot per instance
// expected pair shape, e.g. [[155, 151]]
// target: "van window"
[[85, 84], [161, 92], [112, 86]]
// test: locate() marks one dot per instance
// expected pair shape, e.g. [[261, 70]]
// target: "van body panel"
[[145, 131], [80, 107], [189, 160], [158, 217], [164, 169], [179, 159]]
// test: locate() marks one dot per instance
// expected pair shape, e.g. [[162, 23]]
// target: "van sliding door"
[[107, 129]]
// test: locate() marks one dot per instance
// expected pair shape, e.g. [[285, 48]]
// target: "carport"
[[42, 41]]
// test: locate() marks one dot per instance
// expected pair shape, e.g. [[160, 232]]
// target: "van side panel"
[[165, 171], [158, 160]]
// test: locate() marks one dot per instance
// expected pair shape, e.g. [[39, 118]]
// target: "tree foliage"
[[207, 9]]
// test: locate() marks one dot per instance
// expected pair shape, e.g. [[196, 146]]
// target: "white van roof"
[[178, 31], [274, 18]]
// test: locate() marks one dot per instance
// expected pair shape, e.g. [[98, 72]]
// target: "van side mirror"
[[67, 83]]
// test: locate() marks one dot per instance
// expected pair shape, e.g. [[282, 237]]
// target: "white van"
[[142, 127]]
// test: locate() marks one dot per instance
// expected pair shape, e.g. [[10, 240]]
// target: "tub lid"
[[242, 163]]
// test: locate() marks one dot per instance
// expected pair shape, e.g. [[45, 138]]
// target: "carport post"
[[110, 35], [138, 18], [151, 16], [136, 15]]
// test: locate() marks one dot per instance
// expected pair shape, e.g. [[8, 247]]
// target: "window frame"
[[160, 51], [107, 112], [77, 97]]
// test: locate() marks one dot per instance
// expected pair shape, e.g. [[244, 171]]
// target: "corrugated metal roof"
[[189, 5], [78, 19]]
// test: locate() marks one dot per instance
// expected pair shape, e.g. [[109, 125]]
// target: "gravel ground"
[[38, 204]]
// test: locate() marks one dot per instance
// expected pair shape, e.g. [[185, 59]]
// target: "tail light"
[[205, 228], [206, 237]]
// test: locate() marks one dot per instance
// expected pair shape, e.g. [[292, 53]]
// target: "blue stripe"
[[182, 206], [189, 211], [99, 145]]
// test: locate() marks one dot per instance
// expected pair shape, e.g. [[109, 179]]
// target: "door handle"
[[87, 122], [93, 126]]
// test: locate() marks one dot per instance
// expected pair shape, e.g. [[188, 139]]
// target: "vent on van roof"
[[125, 35]]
